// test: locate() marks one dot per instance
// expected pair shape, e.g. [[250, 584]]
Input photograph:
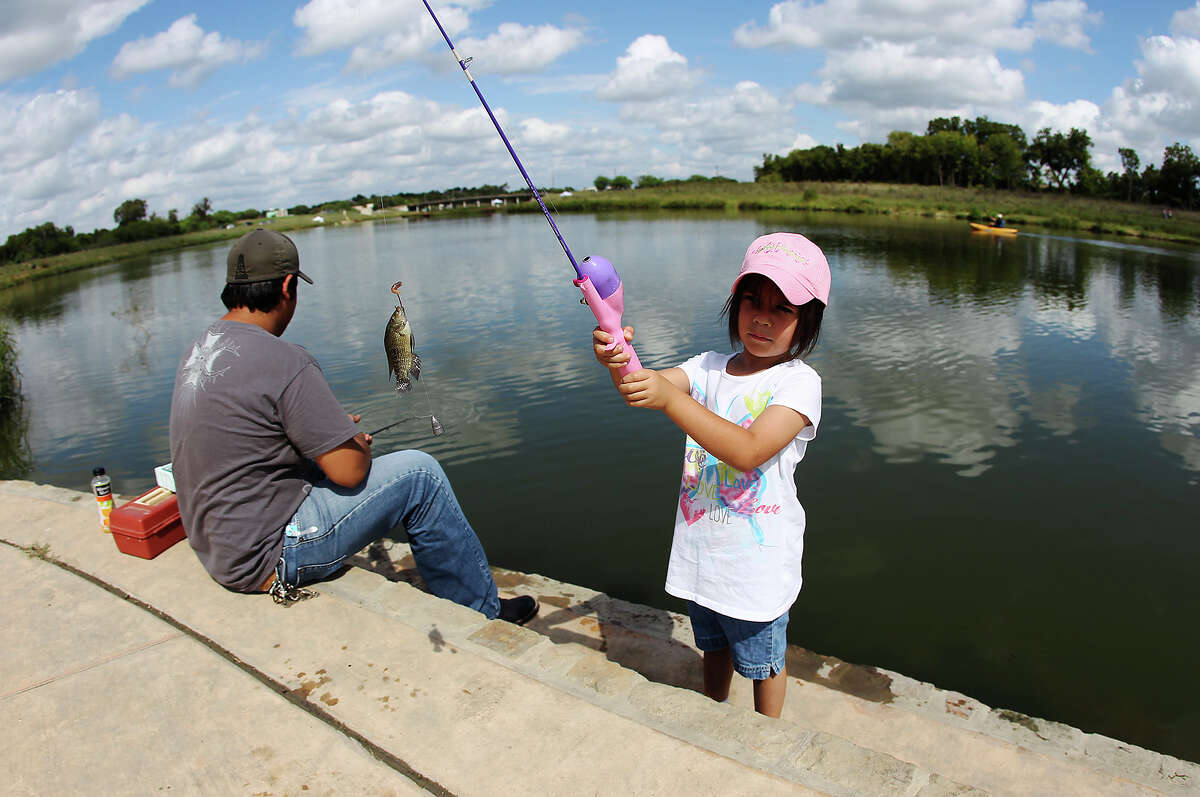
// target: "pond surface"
[[1002, 497]]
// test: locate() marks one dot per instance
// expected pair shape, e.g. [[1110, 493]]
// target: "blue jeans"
[[406, 487], [759, 650]]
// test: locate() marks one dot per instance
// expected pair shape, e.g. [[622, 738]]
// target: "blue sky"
[[273, 104]]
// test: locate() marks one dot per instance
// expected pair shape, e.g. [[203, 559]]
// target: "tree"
[[953, 154], [944, 125], [1002, 163], [129, 211], [42, 241], [202, 208], [649, 181], [1178, 176], [1061, 155], [621, 183], [601, 183], [1130, 162]]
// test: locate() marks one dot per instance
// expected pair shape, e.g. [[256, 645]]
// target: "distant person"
[[276, 486], [998, 220], [748, 416]]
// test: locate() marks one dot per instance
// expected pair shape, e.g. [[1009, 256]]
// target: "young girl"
[[739, 529]]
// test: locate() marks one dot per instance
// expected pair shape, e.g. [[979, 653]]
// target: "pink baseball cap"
[[792, 262]]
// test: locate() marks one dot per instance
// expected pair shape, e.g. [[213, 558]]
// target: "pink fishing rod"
[[595, 276]]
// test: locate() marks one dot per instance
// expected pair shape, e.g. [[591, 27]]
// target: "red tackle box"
[[147, 525]]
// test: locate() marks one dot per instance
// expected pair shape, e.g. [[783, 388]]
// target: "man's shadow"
[[652, 642]]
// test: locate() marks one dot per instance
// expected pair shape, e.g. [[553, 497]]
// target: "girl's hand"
[[649, 389], [613, 358]]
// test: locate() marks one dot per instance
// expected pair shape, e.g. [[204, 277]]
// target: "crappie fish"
[[404, 364]]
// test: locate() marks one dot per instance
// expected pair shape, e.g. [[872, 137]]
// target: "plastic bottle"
[[102, 489]]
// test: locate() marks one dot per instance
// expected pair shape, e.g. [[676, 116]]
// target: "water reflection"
[[937, 342]]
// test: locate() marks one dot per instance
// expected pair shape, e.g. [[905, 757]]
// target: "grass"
[[1062, 212], [1057, 212]]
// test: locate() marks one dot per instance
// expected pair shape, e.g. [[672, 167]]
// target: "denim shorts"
[[758, 648]]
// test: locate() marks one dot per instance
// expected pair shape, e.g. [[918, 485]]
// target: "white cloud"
[[839, 24], [185, 48], [540, 133], [648, 70], [1162, 104], [896, 64], [379, 33], [885, 75], [37, 33], [37, 128], [1187, 22], [517, 48], [1079, 113], [802, 141], [340, 24], [1063, 21], [1171, 65], [728, 128]]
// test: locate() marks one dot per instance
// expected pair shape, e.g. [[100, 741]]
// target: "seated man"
[[275, 484]]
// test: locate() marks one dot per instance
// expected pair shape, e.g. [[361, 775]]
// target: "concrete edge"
[[805, 757]]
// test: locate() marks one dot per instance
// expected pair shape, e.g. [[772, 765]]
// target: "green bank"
[[1041, 211]]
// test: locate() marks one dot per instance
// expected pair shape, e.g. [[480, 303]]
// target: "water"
[[1001, 498]]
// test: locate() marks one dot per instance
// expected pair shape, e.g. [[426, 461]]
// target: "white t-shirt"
[[739, 537]]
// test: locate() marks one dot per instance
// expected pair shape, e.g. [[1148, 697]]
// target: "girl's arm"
[[669, 391], [744, 449]]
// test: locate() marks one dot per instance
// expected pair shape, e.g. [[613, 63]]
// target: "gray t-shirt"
[[248, 414]]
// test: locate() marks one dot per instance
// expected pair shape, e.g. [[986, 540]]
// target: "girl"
[[748, 416]]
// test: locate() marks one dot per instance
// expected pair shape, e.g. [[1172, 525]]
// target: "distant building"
[[276, 212], [367, 209]]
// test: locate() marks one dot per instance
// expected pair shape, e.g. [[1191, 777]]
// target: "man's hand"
[[366, 438]]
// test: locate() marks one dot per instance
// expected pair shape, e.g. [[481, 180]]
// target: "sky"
[[274, 104]]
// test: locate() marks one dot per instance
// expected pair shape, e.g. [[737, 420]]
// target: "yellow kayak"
[[976, 227]]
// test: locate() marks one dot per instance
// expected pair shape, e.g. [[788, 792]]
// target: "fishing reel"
[[605, 297]]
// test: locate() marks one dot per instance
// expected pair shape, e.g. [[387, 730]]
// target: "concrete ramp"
[[123, 675]]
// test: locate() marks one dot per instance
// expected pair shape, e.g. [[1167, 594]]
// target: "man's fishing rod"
[[595, 276]]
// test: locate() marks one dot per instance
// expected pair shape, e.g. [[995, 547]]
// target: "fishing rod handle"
[[600, 277]]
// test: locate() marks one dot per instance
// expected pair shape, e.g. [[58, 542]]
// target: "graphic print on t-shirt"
[[200, 370], [713, 488]]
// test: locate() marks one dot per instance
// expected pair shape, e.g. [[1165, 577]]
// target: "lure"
[[433, 421], [595, 276]]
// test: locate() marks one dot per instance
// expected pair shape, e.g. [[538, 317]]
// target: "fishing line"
[[596, 277], [464, 63]]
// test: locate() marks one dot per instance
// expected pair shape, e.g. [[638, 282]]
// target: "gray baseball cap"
[[262, 255]]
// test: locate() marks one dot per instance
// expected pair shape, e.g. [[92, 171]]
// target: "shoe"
[[519, 610]]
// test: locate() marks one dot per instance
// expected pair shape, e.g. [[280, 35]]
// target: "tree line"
[[133, 223], [989, 154]]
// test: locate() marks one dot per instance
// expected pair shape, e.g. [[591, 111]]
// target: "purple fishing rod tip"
[[602, 274]]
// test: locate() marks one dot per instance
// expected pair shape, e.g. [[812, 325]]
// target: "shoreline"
[[1049, 212]]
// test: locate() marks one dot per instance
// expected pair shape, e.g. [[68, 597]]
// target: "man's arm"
[[348, 464]]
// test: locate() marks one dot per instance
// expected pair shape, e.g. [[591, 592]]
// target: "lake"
[[1001, 499]]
